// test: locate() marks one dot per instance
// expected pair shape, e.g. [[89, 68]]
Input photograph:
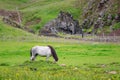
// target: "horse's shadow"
[[40, 62], [39, 65]]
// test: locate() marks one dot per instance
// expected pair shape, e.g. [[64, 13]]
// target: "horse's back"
[[41, 50]]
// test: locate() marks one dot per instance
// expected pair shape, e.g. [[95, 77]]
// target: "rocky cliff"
[[100, 16], [64, 23]]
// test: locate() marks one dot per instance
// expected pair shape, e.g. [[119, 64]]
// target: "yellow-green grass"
[[80, 60], [70, 53], [11, 5], [7, 30], [83, 61]]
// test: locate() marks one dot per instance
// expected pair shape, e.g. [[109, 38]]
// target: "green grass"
[[11, 5], [8, 32], [45, 10], [48, 10], [84, 61], [116, 26]]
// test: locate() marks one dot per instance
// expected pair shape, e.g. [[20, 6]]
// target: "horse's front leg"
[[32, 58]]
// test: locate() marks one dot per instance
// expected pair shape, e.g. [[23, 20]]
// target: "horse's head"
[[32, 58]]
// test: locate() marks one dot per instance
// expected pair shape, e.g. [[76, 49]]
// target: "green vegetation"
[[116, 26], [11, 5], [45, 10], [78, 60], [83, 61], [9, 31]]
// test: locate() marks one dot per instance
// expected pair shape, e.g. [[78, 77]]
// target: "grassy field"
[[9, 31], [83, 61], [78, 60]]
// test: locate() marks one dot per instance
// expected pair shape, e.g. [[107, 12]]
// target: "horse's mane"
[[53, 53]]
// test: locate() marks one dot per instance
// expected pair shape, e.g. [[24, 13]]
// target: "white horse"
[[45, 51]]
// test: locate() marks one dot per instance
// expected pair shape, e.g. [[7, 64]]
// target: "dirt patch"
[[115, 33], [13, 15], [14, 18], [32, 22]]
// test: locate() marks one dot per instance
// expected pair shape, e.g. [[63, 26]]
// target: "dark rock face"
[[11, 18], [99, 14], [11, 22], [63, 23], [13, 15]]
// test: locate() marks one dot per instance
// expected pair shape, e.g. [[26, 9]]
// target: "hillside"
[[34, 14], [44, 11], [11, 5], [8, 32]]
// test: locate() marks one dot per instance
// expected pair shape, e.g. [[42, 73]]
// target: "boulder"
[[63, 23]]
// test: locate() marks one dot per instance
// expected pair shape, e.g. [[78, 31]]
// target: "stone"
[[63, 65], [112, 72], [63, 23]]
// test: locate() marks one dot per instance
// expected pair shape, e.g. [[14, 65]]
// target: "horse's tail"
[[53, 53]]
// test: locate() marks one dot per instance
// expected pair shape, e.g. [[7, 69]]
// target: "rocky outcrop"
[[11, 22], [63, 23], [10, 18], [13, 15], [100, 13]]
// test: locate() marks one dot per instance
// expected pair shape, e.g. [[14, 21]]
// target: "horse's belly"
[[43, 55]]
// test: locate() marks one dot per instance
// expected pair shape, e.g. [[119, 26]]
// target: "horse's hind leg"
[[47, 58]]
